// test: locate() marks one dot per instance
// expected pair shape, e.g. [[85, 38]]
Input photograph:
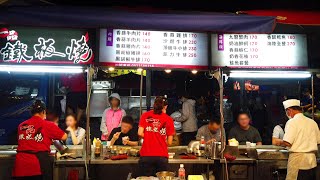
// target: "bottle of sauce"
[[202, 144], [97, 150], [182, 172]]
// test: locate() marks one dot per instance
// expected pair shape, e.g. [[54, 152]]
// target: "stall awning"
[[309, 18], [80, 17]]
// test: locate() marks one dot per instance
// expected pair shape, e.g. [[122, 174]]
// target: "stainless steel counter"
[[265, 159], [134, 160], [240, 160], [10, 151]]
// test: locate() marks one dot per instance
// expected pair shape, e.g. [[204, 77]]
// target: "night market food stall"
[[143, 52], [259, 72], [245, 165], [163, 55]]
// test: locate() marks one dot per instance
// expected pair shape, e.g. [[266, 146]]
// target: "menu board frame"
[[188, 50], [259, 51]]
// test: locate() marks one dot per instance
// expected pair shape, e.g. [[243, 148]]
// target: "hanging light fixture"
[[167, 71], [111, 69]]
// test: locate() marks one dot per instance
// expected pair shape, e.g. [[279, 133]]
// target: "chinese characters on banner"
[[57, 46], [135, 48], [259, 50]]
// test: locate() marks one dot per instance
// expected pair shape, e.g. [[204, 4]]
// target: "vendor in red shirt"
[[157, 130], [35, 136]]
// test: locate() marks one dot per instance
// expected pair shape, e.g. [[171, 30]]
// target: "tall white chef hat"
[[290, 103]]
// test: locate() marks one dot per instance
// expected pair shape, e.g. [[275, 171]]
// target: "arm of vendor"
[[125, 134], [211, 131]]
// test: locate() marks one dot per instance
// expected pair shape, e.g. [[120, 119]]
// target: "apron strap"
[[46, 165]]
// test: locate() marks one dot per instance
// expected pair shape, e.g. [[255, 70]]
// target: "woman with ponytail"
[[157, 130], [35, 136]]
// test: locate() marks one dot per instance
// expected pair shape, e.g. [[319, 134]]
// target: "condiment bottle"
[[202, 144], [97, 150], [182, 172]]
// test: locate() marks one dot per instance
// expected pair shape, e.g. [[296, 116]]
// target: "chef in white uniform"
[[301, 137]]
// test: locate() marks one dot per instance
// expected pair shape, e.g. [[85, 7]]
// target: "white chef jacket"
[[302, 133]]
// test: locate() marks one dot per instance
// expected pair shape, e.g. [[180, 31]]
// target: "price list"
[[136, 48], [259, 50]]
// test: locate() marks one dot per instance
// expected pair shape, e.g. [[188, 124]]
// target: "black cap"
[[38, 106]]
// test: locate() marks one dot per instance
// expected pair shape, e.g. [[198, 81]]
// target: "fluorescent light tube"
[[269, 74], [41, 69]]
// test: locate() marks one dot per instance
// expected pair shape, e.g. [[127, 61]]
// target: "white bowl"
[[171, 155]]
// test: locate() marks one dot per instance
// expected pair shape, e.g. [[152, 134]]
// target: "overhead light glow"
[[194, 71], [111, 69], [269, 74], [41, 69], [167, 71]]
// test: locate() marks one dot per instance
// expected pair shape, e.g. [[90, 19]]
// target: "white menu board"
[[285, 51], [136, 48]]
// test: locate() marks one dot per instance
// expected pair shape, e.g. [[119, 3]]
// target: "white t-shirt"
[[302, 133], [278, 132]]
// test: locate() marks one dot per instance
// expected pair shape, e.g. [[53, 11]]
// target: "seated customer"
[[211, 131], [76, 134], [243, 132], [278, 132], [125, 134]]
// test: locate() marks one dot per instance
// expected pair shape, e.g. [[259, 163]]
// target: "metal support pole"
[[221, 110], [88, 143], [148, 89], [312, 91], [223, 143], [141, 90]]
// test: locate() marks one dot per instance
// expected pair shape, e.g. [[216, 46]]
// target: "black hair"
[[128, 120], [296, 108], [243, 113], [215, 120], [75, 118], [159, 103], [52, 114], [38, 106]]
